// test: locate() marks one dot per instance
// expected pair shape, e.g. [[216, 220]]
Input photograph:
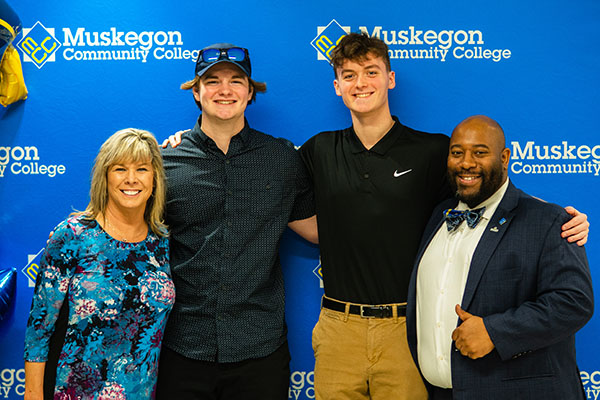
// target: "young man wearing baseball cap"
[[231, 193]]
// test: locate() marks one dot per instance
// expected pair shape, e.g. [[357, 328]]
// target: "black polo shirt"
[[226, 214], [372, 207]]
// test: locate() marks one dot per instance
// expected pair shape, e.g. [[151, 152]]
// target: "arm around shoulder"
[[306, 228], [577, 228]]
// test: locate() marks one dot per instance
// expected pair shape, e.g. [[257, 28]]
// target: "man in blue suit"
[[496, 295]]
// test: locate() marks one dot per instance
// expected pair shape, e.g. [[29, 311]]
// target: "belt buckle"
[[362, 312], [383, 311]]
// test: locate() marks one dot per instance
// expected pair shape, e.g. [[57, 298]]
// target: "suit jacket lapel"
[[494, 232]]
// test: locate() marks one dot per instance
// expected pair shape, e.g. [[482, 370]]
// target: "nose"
[[131, 176], [468, 161], [361, 81], [225, 88]]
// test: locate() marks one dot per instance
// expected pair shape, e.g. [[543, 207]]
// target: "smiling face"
[[129, 186], [364, 85], [223, 92], [478, 160]]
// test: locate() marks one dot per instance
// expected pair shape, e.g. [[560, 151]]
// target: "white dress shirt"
[[441, 280]]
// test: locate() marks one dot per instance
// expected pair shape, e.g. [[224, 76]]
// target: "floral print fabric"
[[119, 296]]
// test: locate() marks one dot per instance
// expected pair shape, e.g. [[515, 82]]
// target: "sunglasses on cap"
[[222, 52], [231, 54]]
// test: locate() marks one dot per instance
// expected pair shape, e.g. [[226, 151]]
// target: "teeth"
[[363, 95], [225, 101], [468, 178], [131, 192]]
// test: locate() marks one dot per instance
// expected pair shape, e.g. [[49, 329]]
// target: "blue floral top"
[[119, 296]]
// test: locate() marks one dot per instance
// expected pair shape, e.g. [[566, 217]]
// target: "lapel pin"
[[502, 221], [494, 229]]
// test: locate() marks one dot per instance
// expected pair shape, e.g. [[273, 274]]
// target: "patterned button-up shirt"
[[226, 214]]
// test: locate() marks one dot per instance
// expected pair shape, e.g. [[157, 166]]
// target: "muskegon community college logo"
[[319, 273], [327, 38], [32, 268], [38, 44], [415, 43]]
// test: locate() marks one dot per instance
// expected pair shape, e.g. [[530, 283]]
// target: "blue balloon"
[[8, 288], [9, 17]]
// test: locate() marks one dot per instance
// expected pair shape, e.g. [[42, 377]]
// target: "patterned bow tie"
[[455, 217]]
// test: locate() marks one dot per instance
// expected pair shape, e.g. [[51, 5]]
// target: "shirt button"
[[441, 358], [220, 317], [439, 325], [366, 176], [226, 255], [227, 161], [268, 186], [229, 223], [229, 192]]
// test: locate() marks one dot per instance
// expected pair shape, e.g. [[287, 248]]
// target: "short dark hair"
[[358, 47]]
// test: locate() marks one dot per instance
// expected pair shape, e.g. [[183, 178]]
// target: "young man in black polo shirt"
[[376, 184], [227, 208]]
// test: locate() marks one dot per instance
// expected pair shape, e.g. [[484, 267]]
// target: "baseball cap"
[[223, 52]]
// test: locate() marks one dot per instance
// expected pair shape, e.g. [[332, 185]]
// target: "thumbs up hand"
[[471, 337]]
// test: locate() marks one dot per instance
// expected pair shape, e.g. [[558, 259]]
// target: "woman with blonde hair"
[[108, 266]]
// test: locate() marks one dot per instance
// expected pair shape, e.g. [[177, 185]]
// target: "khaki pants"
[[364, 358]]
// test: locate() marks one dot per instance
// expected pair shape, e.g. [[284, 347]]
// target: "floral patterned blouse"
[[119, 295]]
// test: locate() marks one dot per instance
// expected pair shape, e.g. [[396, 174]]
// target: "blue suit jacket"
[[533, 290]]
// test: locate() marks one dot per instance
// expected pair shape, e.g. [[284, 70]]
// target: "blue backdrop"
[[93, 67]]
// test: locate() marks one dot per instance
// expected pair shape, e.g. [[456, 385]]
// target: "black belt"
[[365, 311]]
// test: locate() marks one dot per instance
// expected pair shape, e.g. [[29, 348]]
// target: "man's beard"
[[490, 182]]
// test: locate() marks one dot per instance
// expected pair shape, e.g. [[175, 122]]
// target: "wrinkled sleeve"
[[57, 266], [306, 154]]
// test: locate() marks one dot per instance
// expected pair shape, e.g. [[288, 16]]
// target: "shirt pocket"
[[266, 198]]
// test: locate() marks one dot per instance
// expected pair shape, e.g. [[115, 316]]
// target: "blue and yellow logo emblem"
[[38, 44], [319, 273], [32, 268], [327, 38]]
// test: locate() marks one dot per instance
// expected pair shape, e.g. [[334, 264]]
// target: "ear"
[[250, 91], [196, 91], [505, 158], [392, 80], [336, 85]]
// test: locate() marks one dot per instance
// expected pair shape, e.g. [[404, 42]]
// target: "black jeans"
[[182, 378]]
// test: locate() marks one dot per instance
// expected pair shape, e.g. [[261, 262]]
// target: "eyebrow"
[[216, 77], [475, 145], [123, 162], [369, 66]]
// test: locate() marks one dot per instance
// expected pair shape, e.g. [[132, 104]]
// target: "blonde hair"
[[129, 145]]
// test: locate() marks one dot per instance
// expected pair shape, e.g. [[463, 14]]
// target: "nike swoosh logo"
[[397, 174]]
